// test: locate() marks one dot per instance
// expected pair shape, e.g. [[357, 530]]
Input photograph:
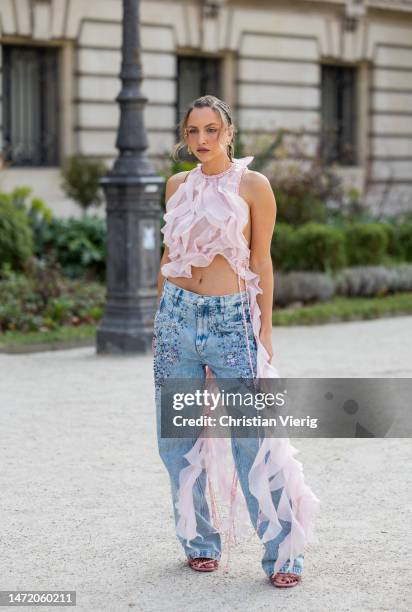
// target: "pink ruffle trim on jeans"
[[205, 217]]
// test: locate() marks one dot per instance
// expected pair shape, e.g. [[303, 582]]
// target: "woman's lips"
[[202, 150]]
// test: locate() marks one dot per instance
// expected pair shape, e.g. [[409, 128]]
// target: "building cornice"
[[355, 6], [358, 5]]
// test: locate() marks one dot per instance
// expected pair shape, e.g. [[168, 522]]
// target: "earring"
[[189, 150]]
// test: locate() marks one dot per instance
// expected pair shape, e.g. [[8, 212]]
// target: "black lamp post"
[[132, 192]]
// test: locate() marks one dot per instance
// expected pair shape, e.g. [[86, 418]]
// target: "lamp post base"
[[110, 341]]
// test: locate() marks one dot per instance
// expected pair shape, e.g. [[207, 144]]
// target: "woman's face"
[[205, 134]]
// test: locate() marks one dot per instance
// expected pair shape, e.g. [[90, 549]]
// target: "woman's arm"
[[259, 194], [172, 184]]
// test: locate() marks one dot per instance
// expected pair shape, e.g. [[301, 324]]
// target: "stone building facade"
[[333, 71]]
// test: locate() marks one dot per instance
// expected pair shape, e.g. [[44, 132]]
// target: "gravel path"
[[85, 499]]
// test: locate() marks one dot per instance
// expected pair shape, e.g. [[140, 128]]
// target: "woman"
[[214, 319]]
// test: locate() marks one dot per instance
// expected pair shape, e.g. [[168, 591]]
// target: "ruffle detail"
[[274, 468], [205, 217], [204, 220]]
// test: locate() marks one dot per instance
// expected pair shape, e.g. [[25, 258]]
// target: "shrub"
[[366, 243], [302, 287], [392, 246], [304, 185], [367, 281], [400, 278], [319, 248], [79, 245], [81, 180], [16, 236], [43, 299], [299, 207], [38, 214], [281, 247], [40, 217], [403, 236], [36, 210], [350, 209], [361, 281]]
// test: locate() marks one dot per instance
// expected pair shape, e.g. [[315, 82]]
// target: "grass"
[[338, 309], [62, 334], [345, 309]]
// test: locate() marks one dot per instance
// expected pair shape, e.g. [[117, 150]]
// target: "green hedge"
[[366, 243], [392, 245], [282, 246], [312, 246], [403, 236], [319, 247]]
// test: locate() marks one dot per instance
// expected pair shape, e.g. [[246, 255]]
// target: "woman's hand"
[[265, 337]]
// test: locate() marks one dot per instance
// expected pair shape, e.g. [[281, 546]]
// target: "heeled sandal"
[[291, 580], [203, 564]]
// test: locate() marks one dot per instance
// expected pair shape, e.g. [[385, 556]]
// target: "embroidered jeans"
[[191, 331]]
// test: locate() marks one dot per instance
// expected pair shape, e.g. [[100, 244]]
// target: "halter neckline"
[[212, 176]]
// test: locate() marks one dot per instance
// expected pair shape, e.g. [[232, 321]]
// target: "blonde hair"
[[215, 104]]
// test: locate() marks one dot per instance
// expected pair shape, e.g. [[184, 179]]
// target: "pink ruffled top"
[[205, 217]]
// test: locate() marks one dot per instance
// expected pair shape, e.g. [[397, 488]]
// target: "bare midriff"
[[218, 278]]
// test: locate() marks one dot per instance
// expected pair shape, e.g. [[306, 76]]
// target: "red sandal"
[[291, 580], [203, 564]]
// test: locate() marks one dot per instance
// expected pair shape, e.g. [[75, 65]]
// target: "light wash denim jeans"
[[191, 331]]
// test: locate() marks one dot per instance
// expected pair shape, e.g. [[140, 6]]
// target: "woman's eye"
[[192, 131]]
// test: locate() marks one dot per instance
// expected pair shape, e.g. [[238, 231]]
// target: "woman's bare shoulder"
[[252, 178], [174, 181], [179, 177], [253, 186]]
